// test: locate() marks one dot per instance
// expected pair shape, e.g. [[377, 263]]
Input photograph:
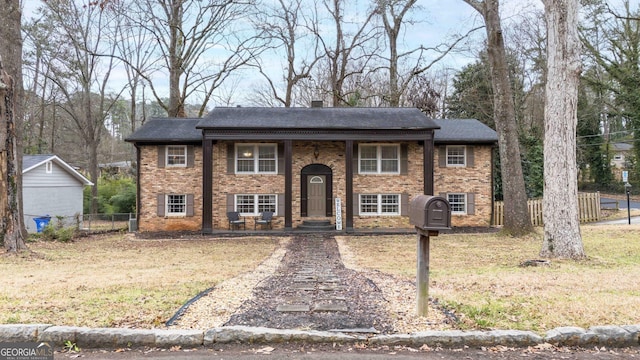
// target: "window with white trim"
[[256, 158], [254, 204], [379, 158], [379, 204], [176, 204], [456, 155], [176, 156], [48, 167], [458, 203]]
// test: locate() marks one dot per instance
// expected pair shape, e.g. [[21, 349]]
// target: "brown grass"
[[117, 280], [479, 277]]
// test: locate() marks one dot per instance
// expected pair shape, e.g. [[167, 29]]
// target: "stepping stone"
[[330, 307], [304, 287], [330, 287], [293, 308]]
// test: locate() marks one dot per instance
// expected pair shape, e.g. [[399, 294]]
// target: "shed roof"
[[30, 162], [622, 146]]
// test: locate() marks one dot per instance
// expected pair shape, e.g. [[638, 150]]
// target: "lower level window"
[[458, 203], [176, 204], [380, 204], [254, 204]]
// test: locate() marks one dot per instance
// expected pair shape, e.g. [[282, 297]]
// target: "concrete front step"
[[316, 225]]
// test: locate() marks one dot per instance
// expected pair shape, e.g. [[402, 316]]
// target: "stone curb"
[[83, 337]]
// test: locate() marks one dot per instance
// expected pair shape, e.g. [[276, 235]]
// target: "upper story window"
[[256, 158], [458, 203], [379, 159], [456, 155], [176, 156]]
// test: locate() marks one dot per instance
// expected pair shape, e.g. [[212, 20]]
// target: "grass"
[[118, 281], [479, 277], [115, 280]]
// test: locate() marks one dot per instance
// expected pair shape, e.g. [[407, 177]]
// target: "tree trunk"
[[516, 212], [562, 236], [11, 223]]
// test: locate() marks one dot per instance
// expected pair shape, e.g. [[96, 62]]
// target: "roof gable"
[[30, 162]]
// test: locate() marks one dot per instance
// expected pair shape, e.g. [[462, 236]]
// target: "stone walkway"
[[312, 290]]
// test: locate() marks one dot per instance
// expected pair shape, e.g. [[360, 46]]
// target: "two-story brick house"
[[297, 161]]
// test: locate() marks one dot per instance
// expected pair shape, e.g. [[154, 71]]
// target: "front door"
[[316, 194]]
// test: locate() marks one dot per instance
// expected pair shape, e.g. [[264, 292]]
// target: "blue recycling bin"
[[41, 222]]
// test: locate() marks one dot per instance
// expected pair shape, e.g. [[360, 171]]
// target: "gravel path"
[[306, 285]]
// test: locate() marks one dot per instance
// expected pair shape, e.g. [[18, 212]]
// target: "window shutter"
[[190, 155], [230, 202], [404, 162], [356, 204], [231, 159], [280, 159], [356, 168], [160, 205], [280, 209], [442, 155], [161, 156], [404, 204], [190, 204], [471, 204], [470, 156]]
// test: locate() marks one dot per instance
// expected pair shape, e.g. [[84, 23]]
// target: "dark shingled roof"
[[168, 130], [29, 161], [317, 118], [181, 130], [463, 131]]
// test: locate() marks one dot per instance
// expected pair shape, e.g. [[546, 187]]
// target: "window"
[[380, 204], [176, 205], [256, 158], [176, 156], [456, 156], [48, 167], [254, 204], [617, 157], [379, 159], [458, 203]]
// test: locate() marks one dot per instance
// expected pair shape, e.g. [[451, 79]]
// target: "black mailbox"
[[430, 213]]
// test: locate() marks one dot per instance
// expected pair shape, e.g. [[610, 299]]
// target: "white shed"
[[50, 187]]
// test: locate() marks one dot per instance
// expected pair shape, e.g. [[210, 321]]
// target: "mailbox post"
[[429, 214]]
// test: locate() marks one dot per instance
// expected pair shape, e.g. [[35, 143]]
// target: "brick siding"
[[154, 181]]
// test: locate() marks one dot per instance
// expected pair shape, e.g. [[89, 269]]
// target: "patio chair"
[[264, 219], [235, 220]]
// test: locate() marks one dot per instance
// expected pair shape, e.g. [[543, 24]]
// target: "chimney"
[[316, 103]]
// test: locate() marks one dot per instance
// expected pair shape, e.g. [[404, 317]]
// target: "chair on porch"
[[264, 219], [235, 220]]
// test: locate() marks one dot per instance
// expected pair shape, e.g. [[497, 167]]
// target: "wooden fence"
[[588, 205]]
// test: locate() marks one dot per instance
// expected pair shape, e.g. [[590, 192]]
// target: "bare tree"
[[81, 76], [11, 222], [284, 27], [562, 236], [197, 43], [350, 52], [516, 215], [11, 51]]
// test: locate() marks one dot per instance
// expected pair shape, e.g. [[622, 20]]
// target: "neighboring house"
[[621, 153], [50, 187], [297, 161]]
